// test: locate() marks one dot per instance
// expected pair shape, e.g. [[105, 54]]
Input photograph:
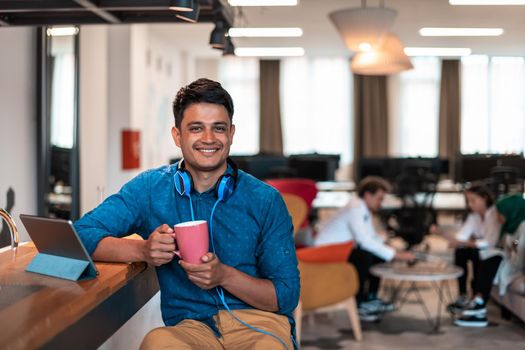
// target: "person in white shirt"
[[476, 242], [354, 222], [510, 263]]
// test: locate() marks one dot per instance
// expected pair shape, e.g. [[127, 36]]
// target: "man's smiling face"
[[205, 136]]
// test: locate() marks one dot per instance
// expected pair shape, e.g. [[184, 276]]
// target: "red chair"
[[304, 188]]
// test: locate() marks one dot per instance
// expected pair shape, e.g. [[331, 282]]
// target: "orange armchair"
[[327, 279]]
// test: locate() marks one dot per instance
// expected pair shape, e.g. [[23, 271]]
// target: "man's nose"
[[208, 135]]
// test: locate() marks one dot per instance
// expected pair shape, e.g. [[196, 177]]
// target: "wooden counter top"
[[38, 311]]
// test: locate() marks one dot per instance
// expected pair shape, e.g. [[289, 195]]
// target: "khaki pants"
[[195, 335]]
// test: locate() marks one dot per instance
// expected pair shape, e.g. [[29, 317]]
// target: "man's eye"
[[195, 129], [220, 128]]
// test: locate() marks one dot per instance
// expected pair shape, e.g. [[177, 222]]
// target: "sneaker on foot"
[[476, 307], [457, 306], [380, 305], [366, 314], [472, 321]]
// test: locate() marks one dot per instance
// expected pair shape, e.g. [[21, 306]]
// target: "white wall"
[[93, 119], [162, 76], [207, 68], [144, 74], [119, 106], [18, 120]]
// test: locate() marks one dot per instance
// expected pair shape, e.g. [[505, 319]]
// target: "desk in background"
[[38, 311], [444, 186], [443, 201]]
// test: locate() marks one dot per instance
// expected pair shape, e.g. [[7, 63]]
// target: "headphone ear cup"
[[183, 183], [224, 188]]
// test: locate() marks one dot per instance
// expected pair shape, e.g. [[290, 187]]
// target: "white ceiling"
[[321, 39]]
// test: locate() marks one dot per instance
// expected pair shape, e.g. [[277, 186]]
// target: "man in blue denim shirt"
[[253, 264]]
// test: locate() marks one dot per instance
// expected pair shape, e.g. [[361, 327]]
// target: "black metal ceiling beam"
[[37, 5], [224, 12], [98, 11], [39, 19], [71, 12]]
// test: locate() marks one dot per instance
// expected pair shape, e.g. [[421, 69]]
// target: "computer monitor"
[[372, 167], [474, 167], [390, 168], [317, 167], [262, 166]]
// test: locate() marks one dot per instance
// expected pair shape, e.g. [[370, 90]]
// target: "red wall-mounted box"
[[130, 149]]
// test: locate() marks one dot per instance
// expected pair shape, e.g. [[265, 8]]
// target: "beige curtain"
[[450, 112], [370, 117], [270, 133]]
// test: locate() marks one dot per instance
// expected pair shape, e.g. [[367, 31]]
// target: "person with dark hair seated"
[[476, 242], [241, 294], [354, 222], [510, 212]]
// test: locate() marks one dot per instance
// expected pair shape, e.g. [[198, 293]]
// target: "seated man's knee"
[[155, 339], [163, 338], [268, 342]]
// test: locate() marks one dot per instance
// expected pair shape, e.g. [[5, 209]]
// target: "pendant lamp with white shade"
[[363, 27], [387, 59]]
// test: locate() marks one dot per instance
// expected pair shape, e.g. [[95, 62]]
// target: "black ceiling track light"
[[190, 16], [218, 36], [229, 49], [182, 5]]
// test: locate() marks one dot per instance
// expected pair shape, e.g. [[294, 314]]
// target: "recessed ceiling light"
[[437, 51], [62, 31], [269, 51], [265, 32], [486, 2], [263, 2], [433, 31]]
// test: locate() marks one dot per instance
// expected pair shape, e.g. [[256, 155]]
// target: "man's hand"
[[160, 247], [454, 243], [405, 256], [210, 274]]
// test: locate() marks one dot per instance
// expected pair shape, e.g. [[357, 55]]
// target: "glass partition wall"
[[57, 123]]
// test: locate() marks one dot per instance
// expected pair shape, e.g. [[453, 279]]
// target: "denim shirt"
[[252, 232]]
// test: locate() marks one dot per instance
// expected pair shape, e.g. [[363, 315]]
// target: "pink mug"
[[192, 240]]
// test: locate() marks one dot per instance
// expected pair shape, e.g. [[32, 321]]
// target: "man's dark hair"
[[201, 90], [372, 184], [480, 189]]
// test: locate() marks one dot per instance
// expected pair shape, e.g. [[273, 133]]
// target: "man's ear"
[[175, 134], [232, 132]]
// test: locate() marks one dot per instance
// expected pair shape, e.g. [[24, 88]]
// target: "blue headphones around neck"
[[224, 186]]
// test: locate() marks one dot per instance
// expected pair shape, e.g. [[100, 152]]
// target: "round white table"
[[435, 272]]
